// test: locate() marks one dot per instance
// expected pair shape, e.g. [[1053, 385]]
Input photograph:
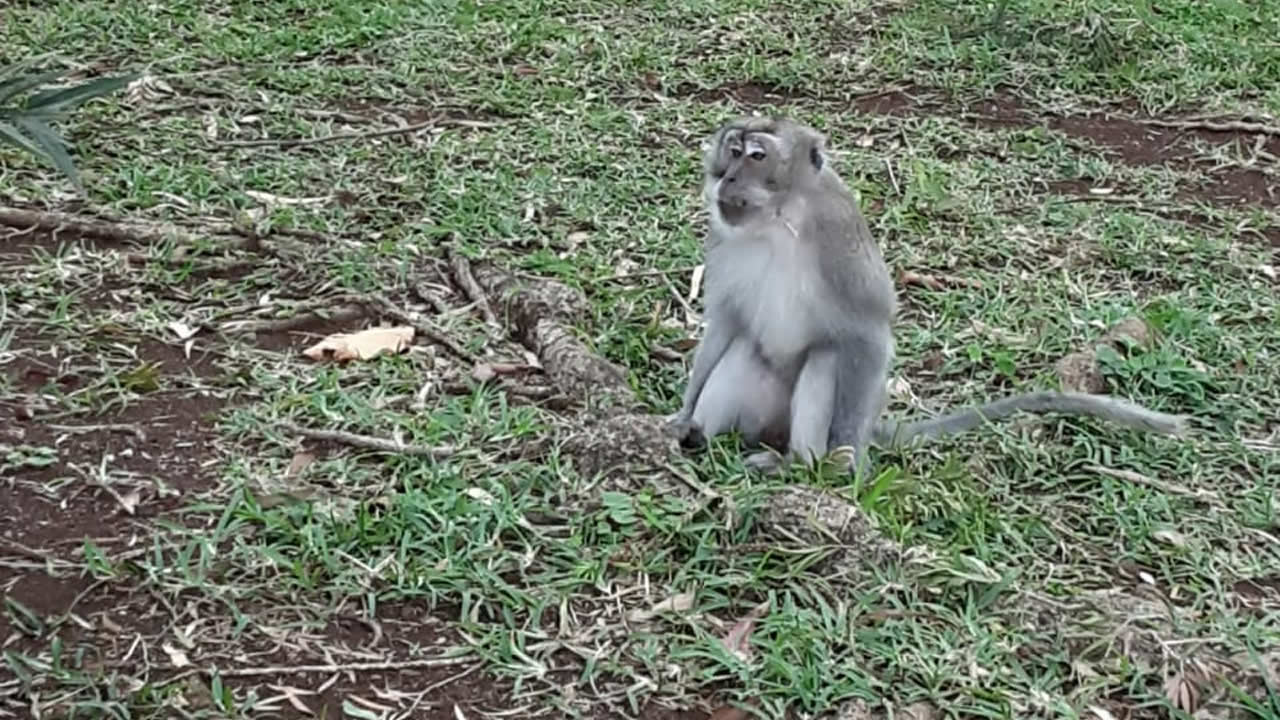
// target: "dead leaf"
[[1172, 537], [299, 463], [177, 657], [1183, 692], [362, 345], [1268, 270], [899, 387], [695, 282], [129, 501], [483, 372], [676, 603], [482, 496], [737, 640], [182, 330], [210, 127]]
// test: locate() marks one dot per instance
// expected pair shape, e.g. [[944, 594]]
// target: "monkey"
[[799, 307]]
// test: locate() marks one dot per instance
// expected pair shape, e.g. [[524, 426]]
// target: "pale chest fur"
[[771, 284]]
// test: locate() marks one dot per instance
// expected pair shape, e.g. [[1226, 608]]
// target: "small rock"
[[1080, 372]]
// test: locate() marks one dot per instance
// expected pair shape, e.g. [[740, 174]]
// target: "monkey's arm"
[[716, 340], [710, 351], [889, 433]]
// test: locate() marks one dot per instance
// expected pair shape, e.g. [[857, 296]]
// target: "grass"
[[1049, 588]]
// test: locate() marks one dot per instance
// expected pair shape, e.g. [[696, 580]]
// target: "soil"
[[164, 446], [161, 451]]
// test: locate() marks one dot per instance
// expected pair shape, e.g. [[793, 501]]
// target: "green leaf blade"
[[55, 147], [17, 85], [63, 99]]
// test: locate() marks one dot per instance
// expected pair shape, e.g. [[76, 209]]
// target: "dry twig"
[[369, 442], [466, 280], [341, 314]]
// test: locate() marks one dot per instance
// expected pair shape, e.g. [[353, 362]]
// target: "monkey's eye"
[[757, 155], [736, 152]]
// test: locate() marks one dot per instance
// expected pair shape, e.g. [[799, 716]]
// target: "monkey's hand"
[[686, 431]]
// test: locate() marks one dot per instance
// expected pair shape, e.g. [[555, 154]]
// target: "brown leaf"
[[737, 640], [1183, 692], [299, 463], [362, 345]]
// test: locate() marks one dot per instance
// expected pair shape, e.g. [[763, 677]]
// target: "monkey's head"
[[753, 164]]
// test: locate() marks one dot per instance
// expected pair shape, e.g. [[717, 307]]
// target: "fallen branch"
[[541, 311], [369, 442], [1242, 126], [385, 132], [123, 233]]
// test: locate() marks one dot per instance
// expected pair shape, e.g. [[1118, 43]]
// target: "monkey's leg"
[[706, 359], [811, 407], [859, 398], [744, 394]]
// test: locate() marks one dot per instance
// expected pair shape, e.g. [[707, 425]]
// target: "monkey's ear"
[[817, 143], [815, 157]]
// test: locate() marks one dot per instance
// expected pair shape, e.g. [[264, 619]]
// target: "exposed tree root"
[[541, 312]]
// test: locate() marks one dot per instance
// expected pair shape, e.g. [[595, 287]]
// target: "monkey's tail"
[[889, 433]]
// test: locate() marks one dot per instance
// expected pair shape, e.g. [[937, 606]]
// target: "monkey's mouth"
[[732, 208]]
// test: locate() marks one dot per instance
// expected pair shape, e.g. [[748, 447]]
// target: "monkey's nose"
[[731, 179]]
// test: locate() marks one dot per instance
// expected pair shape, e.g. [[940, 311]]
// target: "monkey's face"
[[748, 170], [754, 164]]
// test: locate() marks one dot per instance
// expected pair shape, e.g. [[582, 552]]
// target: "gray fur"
[[889, 434], [799, 307]]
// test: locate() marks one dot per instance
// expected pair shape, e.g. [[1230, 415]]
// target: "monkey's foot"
[[686, 432], [767, 462]]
